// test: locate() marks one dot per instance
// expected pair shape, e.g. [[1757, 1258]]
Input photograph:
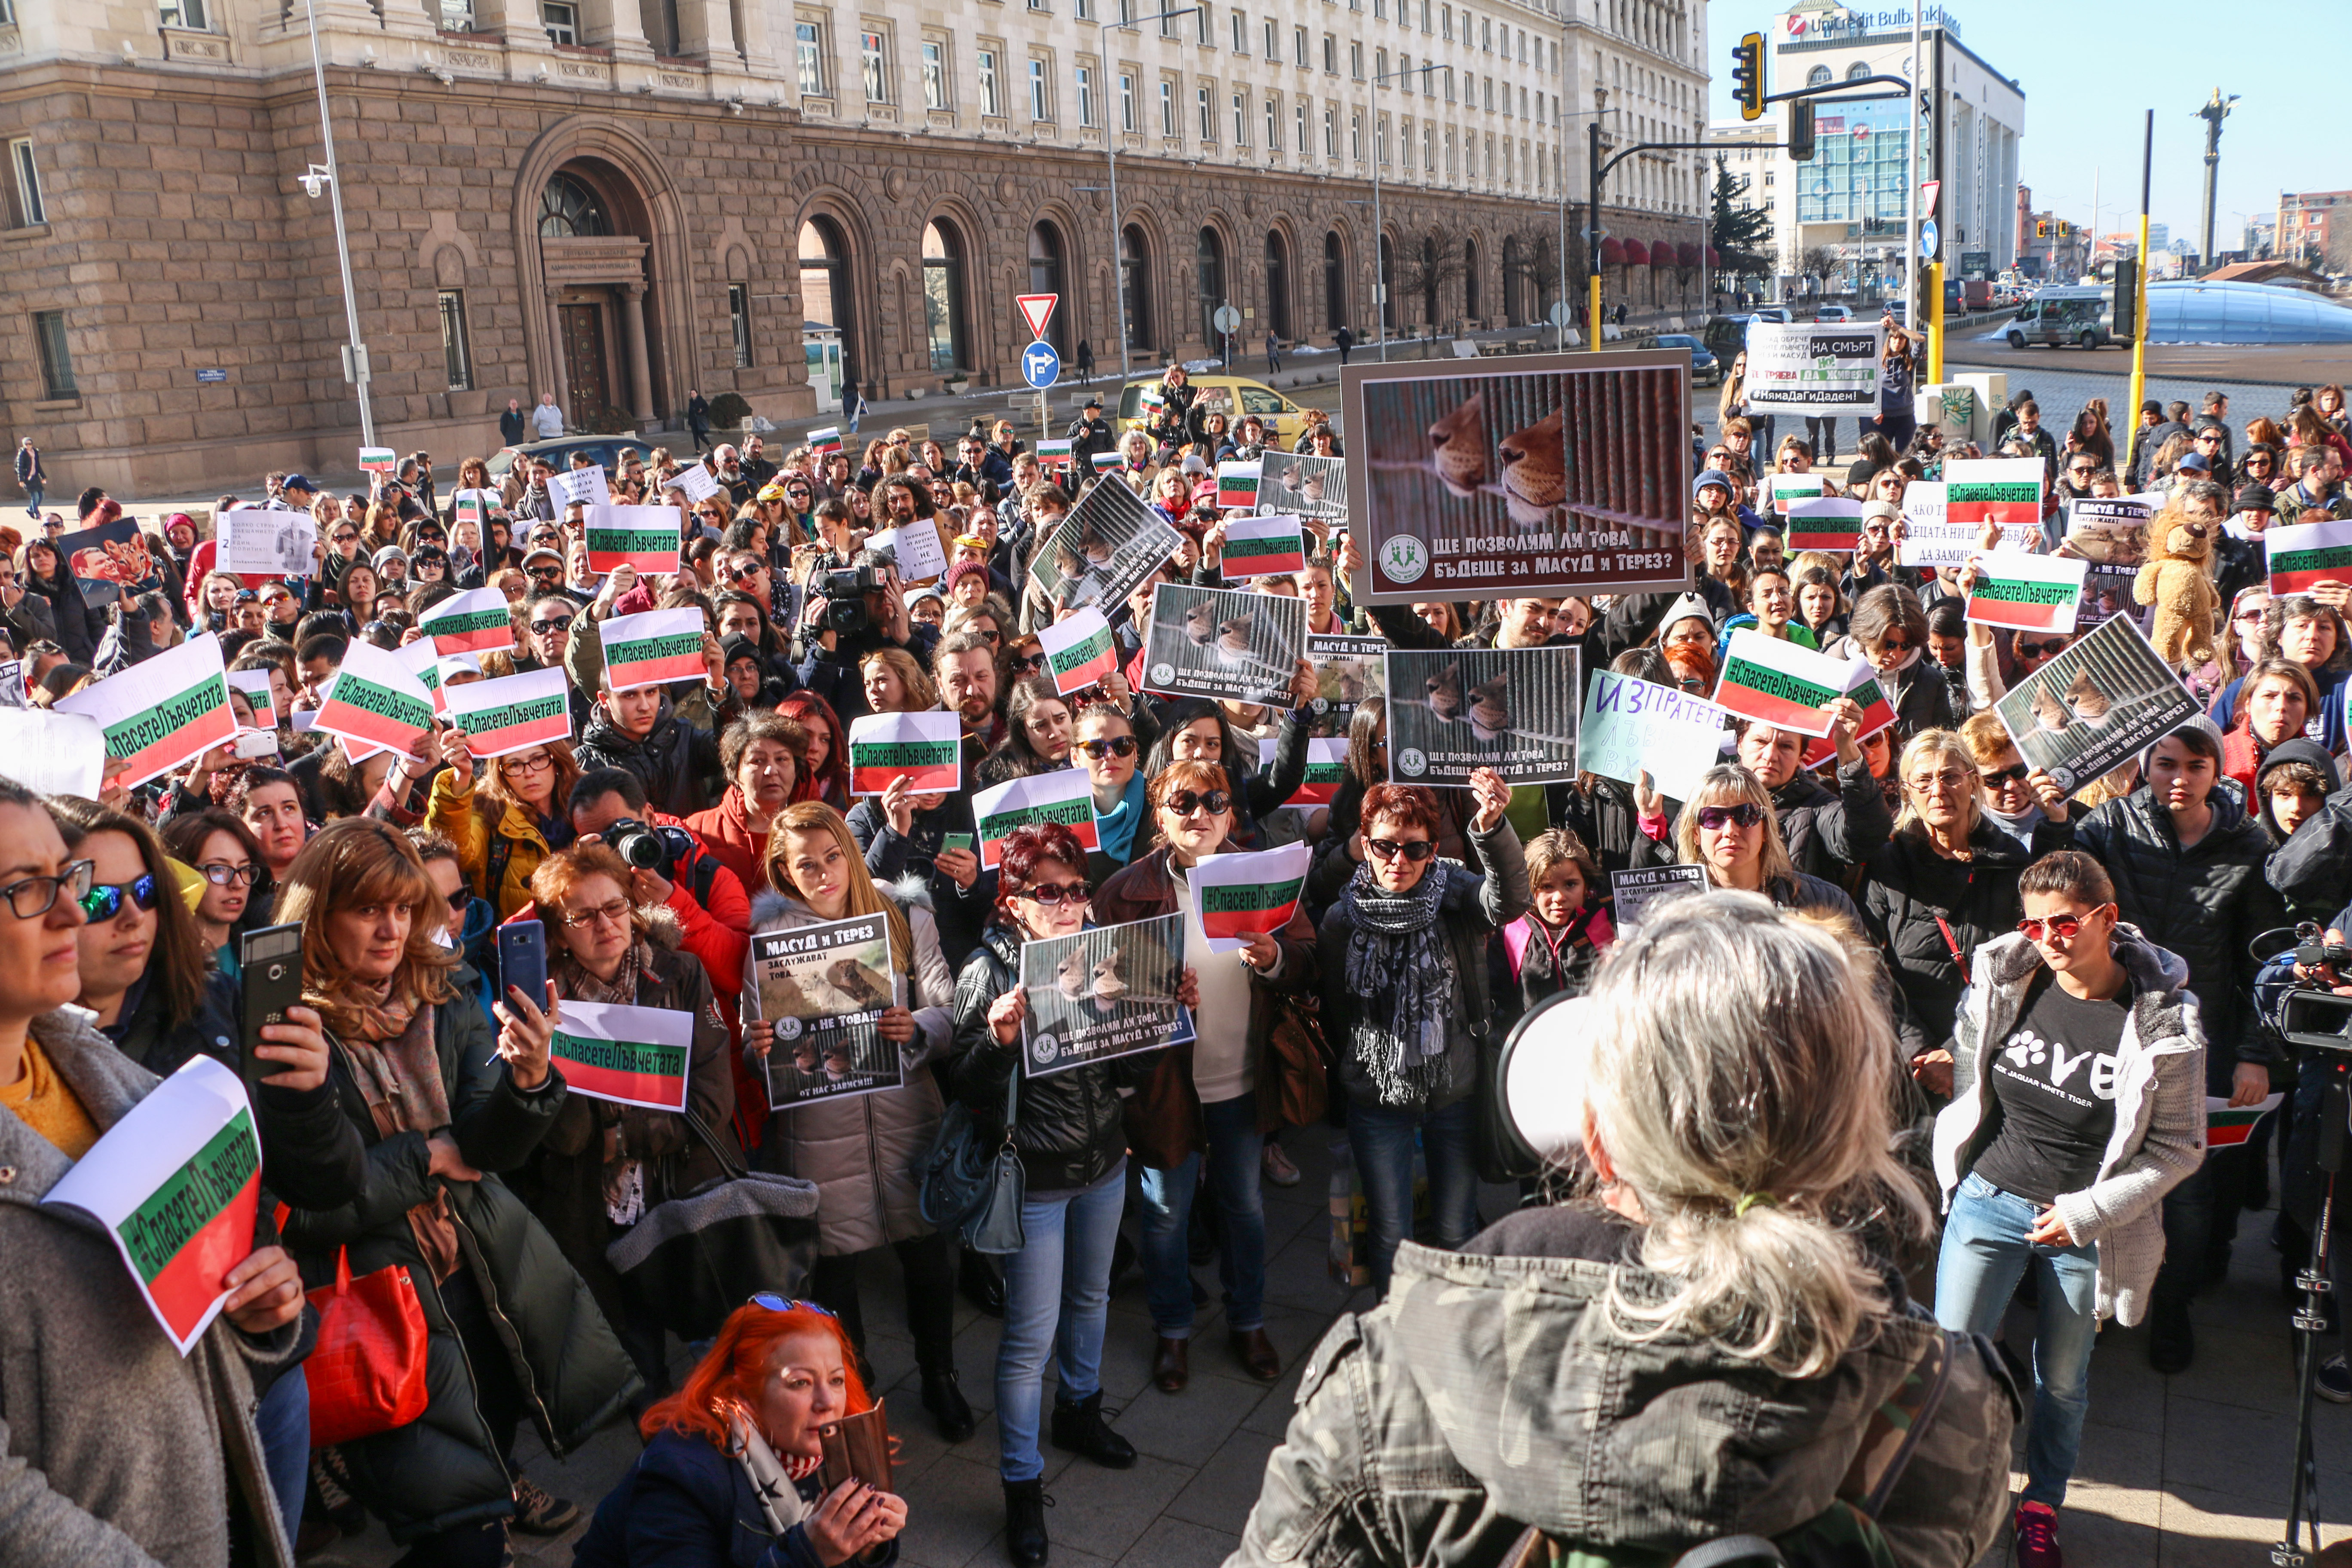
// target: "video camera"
[[844, 592], [2311, 1014], [650, 849]]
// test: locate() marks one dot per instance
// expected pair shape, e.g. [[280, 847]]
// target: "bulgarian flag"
[[2227, 1125], [374, 699], [473, 622], [1779, 683], [1108, 462], [2027, 592], [1785, 489], [2302, 553], [1877, 714], [926, 749], [467, 507], [1264, 546], [1053, 455], [1327, 765], [1065, 795], [377, 459], [160, 712], [1825, 522], [645, 537], [512, 713], [1151, 397], [176, 1184], [1239, 895], [634, 1055], [824, 443], [423, 661], [653, 648], [1079, 649], [255, 684], [2007, 491], [1237, 485]]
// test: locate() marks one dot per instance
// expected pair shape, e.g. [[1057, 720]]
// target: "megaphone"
[[1539, 1079]]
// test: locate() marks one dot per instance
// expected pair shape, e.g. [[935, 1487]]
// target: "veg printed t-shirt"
[[2054, 1084]]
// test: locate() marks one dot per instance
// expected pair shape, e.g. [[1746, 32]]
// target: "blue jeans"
[[283, 1420], [1985, 1253], [1234, 1150], [33, 494], [1382, 1138], [1057, 1294]]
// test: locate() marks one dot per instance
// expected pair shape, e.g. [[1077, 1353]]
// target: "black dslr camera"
[[844, 592], [2312, 1014], [650, 849]]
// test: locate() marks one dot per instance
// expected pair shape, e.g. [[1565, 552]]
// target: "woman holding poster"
[[605, 1162], [510, 821]]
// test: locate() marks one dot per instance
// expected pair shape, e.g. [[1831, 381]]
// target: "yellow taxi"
[[1231, 395]]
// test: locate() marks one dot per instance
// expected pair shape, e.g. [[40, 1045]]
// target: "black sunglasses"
[[1185, 802], [1029, 662], [104, 902], [1052, 894], [2039, 649], [1411, 848], [741, 570], [1997, 778], [1747, 813], [560, 625], [1117, 746]]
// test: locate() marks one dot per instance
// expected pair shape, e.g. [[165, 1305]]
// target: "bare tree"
[[1820, 261]]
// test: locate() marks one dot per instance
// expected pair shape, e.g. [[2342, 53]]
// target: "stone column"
[[557, 381], [633, 334], [706, 31]]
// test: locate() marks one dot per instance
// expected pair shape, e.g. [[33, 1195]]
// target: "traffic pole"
[[1934, 303], [2139, 326]]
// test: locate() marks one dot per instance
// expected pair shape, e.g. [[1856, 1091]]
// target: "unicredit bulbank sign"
[[1818, 27]]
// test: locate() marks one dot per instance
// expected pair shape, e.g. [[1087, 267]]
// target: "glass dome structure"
[[2243, 313]]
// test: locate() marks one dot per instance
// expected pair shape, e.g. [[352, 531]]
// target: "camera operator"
[[637, 730], [669, 867], [855, 612], [2303, 1184]]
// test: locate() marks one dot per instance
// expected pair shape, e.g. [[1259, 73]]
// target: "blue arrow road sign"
[[1041, 367], [1928, 238]]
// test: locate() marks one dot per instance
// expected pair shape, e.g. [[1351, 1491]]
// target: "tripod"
[[2311, 1323]]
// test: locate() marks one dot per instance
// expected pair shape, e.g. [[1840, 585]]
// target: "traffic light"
[[2041, 229], [1747, 75], [2065, 229], [1800, 130]]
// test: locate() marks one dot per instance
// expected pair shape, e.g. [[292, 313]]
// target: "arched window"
[[1818, 77], [1045, 278], [1472, 302], [1135, 286], [568, 209], [1857, 71], [1278, 285], [1335, 282], [943, 317], [1209, 280]]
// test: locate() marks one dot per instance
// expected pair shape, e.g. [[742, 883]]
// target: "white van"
[[2067, 314]]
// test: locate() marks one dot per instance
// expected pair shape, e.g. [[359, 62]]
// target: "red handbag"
[[367, 1374]]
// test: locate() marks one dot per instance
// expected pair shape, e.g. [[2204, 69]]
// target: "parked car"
[[1779, 313], [1704, 370], [1234, 396], [605, 449], [2055, 317], [1834, 314]]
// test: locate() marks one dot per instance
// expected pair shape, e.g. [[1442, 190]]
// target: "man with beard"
[[964, 666]]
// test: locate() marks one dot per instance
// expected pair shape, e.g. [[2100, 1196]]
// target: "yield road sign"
[[1041, 367], [1037, 310]]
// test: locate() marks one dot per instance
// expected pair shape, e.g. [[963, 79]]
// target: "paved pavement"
[[2178, 1472]]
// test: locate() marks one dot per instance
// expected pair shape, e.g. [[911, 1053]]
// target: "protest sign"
[[1107, 462], [472, 506], [824, 443], [1817, 369], [1633, 892], [1927, 538], [53, 754], [1237, 895], [1779, 683], [256, 541], [1309, 485], [259, 695], [1224, 643], [377, 459], [1784, 490], [693, 482], [1054, 457], [645, 537], [1102, 993], [1864, 688], [1237, 486], [826, 987], [579, 487], [1065, 795], [1631, 727], [1922, 502], [2111, 533], [176, 1186], [160, 712], [2227, 1125], [2026, 592], [633, 1056], [1454, 710], [1564, 474], [2303, 554], [654, 648], [474, 622], [1266, 545], [1825, 522], [512, 713], [917, 550], [1977, 491], [1327, 765], [925, 749], [1346, 670], [375, 699], [1079, 650], [421, 660], [111, 561], [1107, 545], [2095, 704], [12, 685]]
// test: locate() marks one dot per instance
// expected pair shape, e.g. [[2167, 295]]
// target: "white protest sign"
[[1814, 368], [256, 542], [159, 714], [259, 695], [1236, 895], [581, 486], [916, 548], [52, 754], [695, 482], [1636, 726]]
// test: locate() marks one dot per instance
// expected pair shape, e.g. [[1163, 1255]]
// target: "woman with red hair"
[[728, 1478], [826, 776]]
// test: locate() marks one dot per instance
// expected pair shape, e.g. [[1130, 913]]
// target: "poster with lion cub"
[[2095, 705], [1105, 992], [1454, 711], [826, 987], [1564, 474]]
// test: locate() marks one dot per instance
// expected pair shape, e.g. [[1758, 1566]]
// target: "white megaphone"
[[1541, 1076]]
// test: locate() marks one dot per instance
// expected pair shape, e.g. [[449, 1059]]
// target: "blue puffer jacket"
[[684, 1504]]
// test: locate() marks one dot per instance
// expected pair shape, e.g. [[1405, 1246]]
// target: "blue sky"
[[2165, 55]]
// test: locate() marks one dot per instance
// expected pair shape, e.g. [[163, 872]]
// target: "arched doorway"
[[1278, 285], [1208, 281], [1388, 285], [828, 291], [1429, 281], [1473, 297], [943, 290], [590, 229], [1513, 283], [1334, 281], [1046, 277], [1135, 285]]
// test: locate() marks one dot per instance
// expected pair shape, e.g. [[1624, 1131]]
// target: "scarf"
[[1115, 832], [772, 1479], [624, 1175], [393, 1061], [1399, 968]]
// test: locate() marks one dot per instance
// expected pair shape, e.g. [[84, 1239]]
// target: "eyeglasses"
[[2065, 928], [551, 572], [1894, 644], [775, 1303], [559, 624], [1026, 662], [1185, 802], [1747, 813], [2247, 616], [343, 537], [2083, 472], [1052, 895], [615, 913], [2213, 435], [105, 902], [74, 880], [1949, 781], [2039, 649], [221, 874], [1117, 746], [2002, 778], [993, 637], [538, 765]]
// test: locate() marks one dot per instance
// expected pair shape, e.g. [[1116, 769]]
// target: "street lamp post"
[[1118, 230], [355, 354], [1380, 281]]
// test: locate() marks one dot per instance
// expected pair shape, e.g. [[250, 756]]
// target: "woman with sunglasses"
[[1072, 1140], [1223, 1093], [2078, 1101], [1729, 830], [2009, 786], [1104, 742], [1201, 730], [1403, 956], [506, 824]]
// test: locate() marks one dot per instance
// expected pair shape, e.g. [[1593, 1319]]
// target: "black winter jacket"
[[1906, 886], [960, 913], [675, 761]]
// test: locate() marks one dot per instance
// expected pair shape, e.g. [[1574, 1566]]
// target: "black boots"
[[944, 1397], [1025, 1524], [1081, 1429], [981, 1281]]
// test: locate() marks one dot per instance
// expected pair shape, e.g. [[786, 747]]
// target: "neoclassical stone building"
[[621, 201]]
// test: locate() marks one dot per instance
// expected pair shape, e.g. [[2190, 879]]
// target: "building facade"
[[626, 201], [2314, 227]]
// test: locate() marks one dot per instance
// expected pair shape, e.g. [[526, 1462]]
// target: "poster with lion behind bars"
[[1309, 485], [2095, 705], [1224, 643], [826, 987], [1108, 991], [1564, 474], [1096, 555], [1454, 710]]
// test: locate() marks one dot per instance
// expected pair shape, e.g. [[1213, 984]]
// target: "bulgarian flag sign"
[[255, 684], [1787, 489], [1779, 683], [1151, 397], [1825, 522], [1977, 491], [634, 1055], [2226, 1125], [1877, 714], [159, 714], [473, 622], [375, 699], [1053, 456], [512, 713], [1264, 546], [1237, 486], [1239, 895], [2027, 592], [423, 661], [926, 749], [377, 459], [1108, 462], [1327, 765], [2302, 553], [177, 1184], [653, 648], [1079, 649], [645, 537], [1065, 795], [824, 443]]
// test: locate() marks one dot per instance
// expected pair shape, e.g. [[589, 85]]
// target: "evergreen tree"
[[1742, 233]]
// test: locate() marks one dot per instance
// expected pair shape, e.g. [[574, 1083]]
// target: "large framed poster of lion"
[[1562, 474]]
